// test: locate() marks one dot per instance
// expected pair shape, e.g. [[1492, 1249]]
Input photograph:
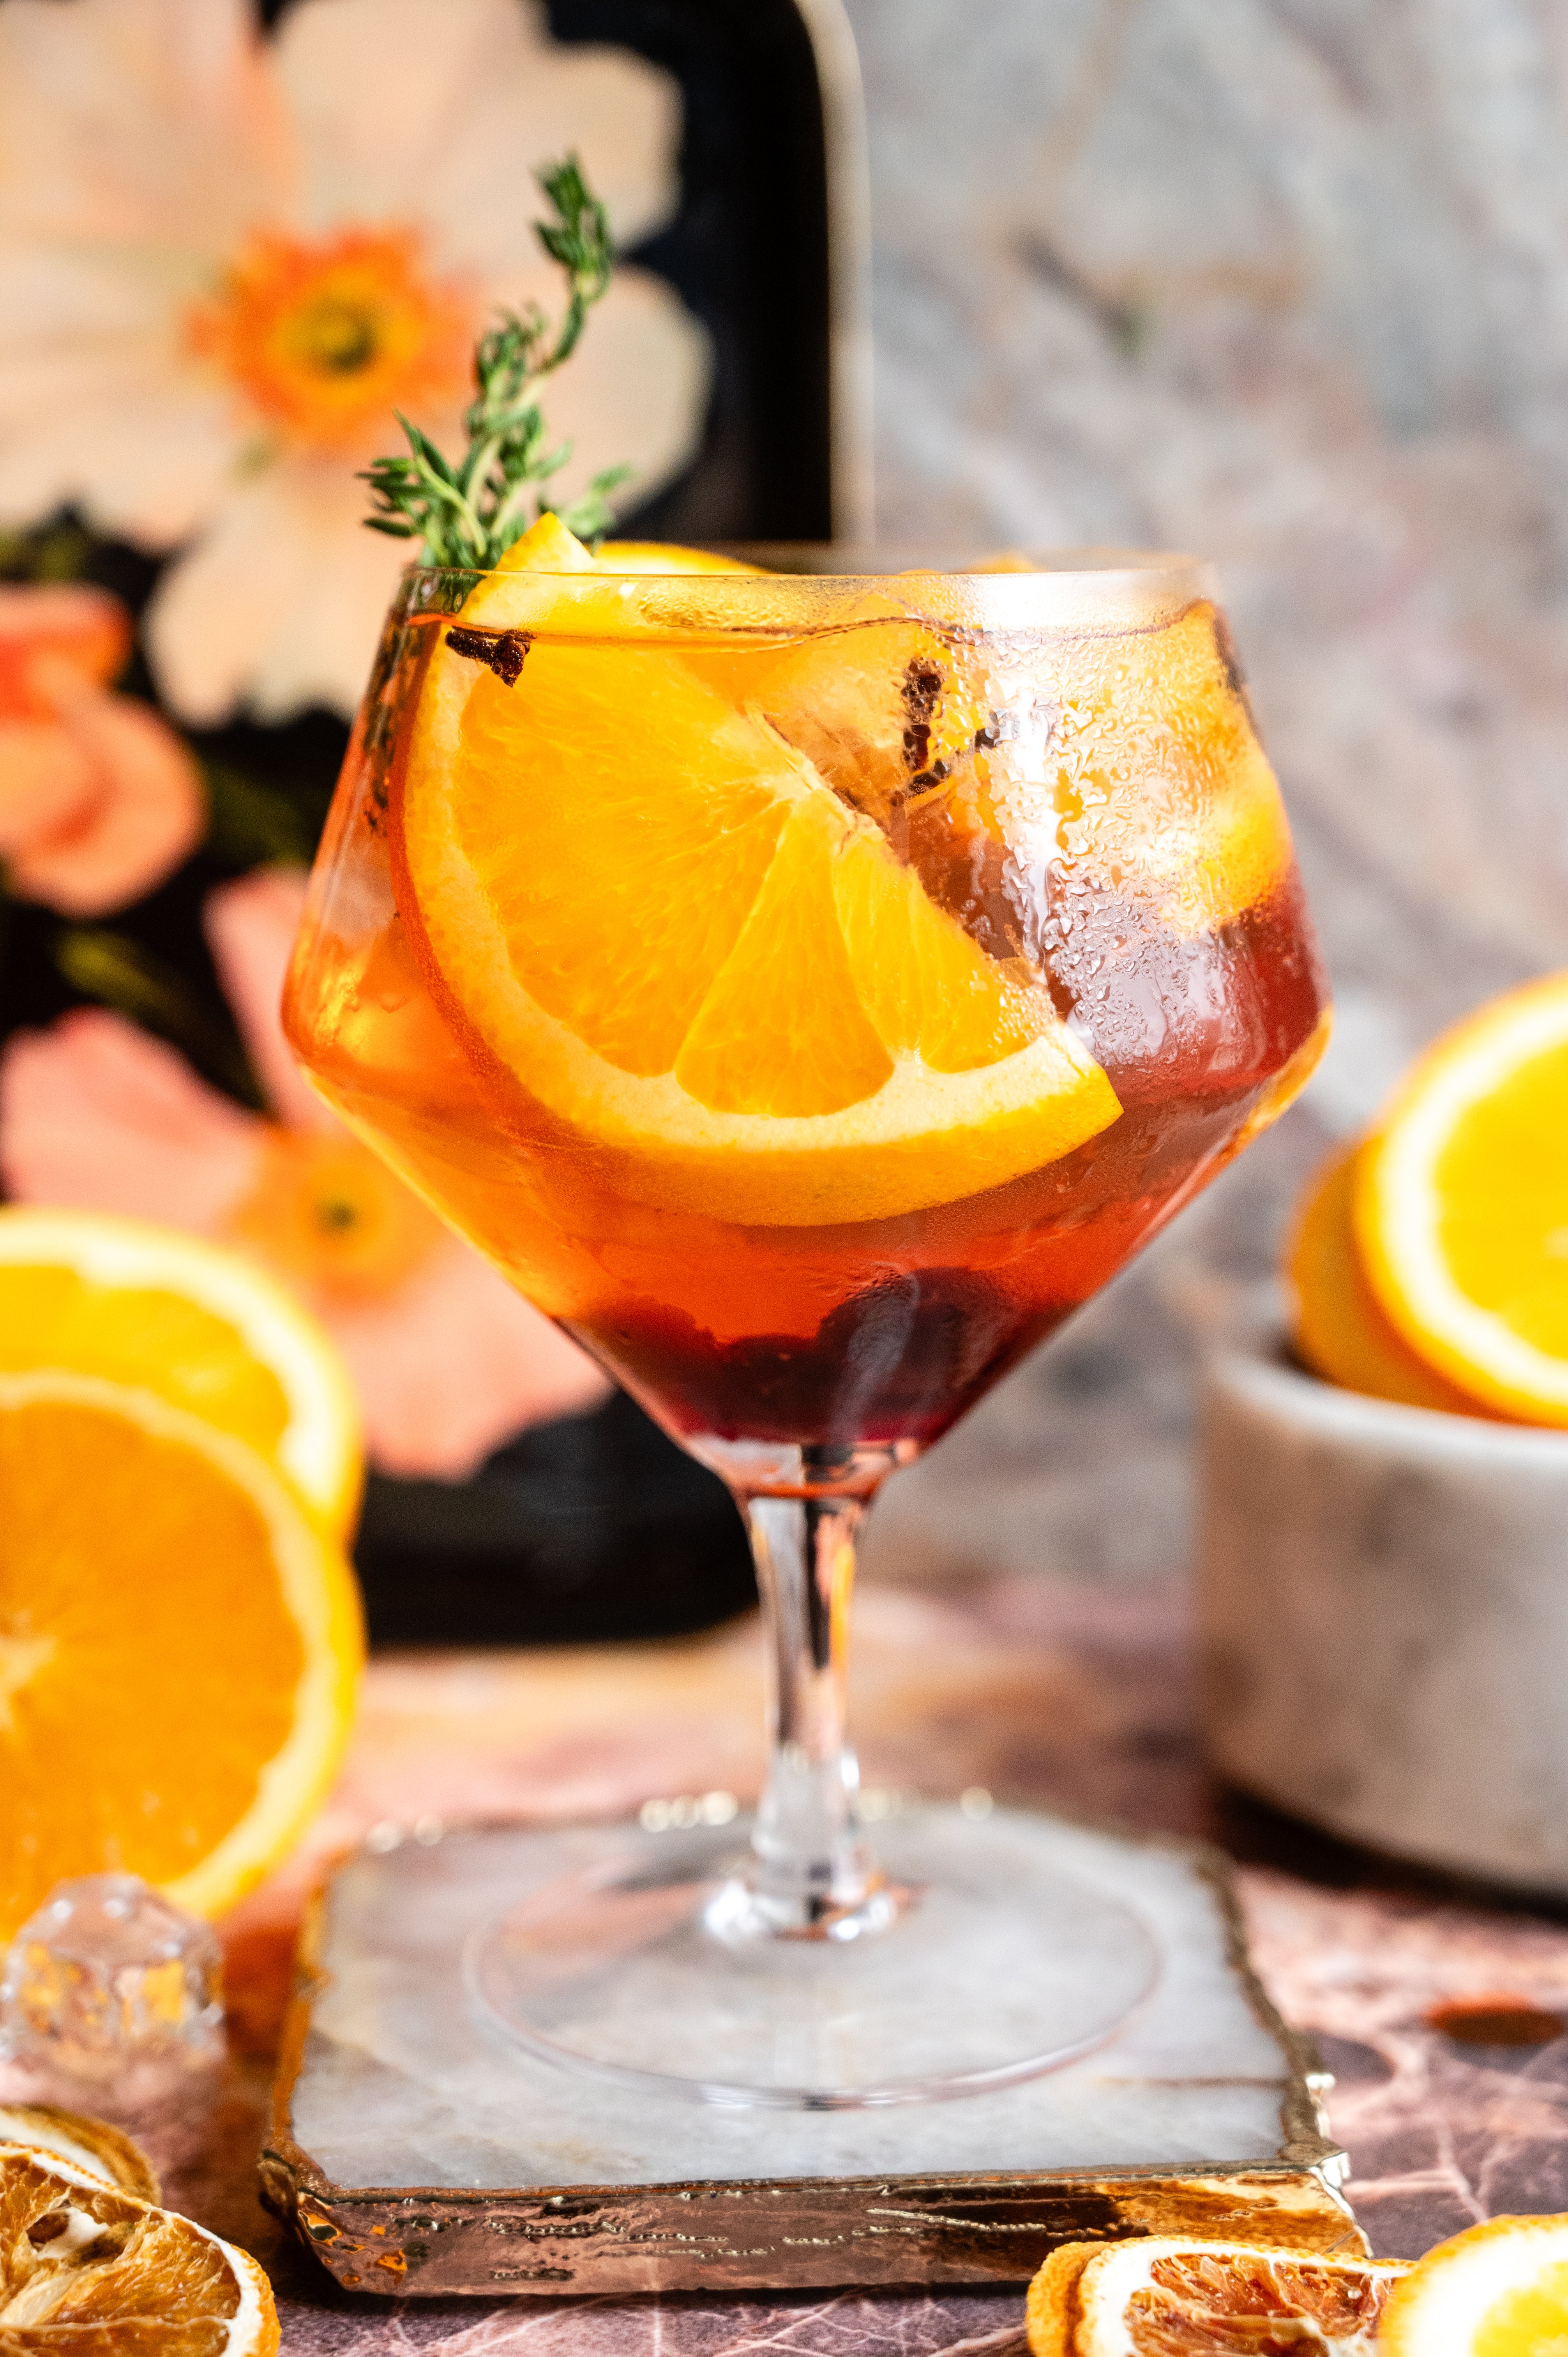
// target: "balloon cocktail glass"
[[808, 988]]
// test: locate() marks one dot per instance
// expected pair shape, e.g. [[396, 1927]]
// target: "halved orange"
[[203, 1327], [1338, 1325], [654, 912], [86, 2267], [1460, 1205], [180, 1648], [1499, 2289], [1160, 2294]]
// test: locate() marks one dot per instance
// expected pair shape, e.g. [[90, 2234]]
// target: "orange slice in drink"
[[1163, 790], [659, 918], [88, 2268], [1166, 2293], [1497, 2290], [1460, 1206], [180, 1646], [1339, 1327], [661, 557]]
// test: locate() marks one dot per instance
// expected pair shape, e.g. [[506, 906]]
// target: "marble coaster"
[[416, 2154]]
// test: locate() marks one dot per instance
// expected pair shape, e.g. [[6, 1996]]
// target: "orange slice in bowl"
[[659, 919], [1161, 2294], [1339, 1327], [1462, 1206]]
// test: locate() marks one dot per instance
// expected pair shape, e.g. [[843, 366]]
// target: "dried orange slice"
[[204, 1329], [81, 2142], [1164, 2293], [1497, 2290], [1338, 1326], [659, 917], [1462, 1205], [87, 2268], [180, 1647]]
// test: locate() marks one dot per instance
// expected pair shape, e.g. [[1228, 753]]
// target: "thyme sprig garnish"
[[469, 513]]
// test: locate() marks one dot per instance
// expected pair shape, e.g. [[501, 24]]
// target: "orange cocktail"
[[806, 992], [808, 989]]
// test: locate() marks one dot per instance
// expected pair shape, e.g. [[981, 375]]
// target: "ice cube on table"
[[107, 1981]]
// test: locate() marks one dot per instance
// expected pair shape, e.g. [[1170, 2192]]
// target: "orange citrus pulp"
[[1499, 2289], [203, 1327], [1156, 2294], [1461, 1206], [86, 2266], [659, 917], [180, 1647], [1165, 793], [1339, 1327]]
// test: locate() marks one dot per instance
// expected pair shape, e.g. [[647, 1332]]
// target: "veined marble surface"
[[1284, 282]]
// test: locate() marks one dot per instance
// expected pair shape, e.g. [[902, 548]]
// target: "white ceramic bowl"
[[1383, 1614]]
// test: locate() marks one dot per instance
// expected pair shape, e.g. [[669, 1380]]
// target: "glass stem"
[[810, 1874]]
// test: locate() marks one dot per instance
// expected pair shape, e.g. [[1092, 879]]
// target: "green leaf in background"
[[58, 553], [119, 973], [251, 825]]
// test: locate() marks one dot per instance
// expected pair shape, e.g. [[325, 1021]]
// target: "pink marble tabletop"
[[1070, 1696]]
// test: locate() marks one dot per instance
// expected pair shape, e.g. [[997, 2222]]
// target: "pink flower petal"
[[47, 783], [279, 602], [453, 1363], [68, 621], [96, 1116], [147, 815], [251, 927]]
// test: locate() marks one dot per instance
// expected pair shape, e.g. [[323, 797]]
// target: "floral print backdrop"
[[227, 253]]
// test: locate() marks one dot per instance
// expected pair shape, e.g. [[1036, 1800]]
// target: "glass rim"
[[866, 562], [1096, 592]]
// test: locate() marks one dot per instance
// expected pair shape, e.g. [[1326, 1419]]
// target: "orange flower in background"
[[95, 1115], [99, 800], [327, 337]]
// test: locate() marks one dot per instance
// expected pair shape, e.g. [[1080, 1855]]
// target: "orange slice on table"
[[180, 1649], [1338, 1325], [204, 1329], [655, 914], [81, 2142], [1462, 1206], [1497, 2290], [1164, 2293], [87, 2267]]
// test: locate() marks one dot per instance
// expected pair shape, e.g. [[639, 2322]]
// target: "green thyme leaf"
[[468, 513]]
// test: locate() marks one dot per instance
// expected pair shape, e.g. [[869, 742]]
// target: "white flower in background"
[[225, 259]]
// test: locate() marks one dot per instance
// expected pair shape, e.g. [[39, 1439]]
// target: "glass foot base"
[[986, 1964]]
